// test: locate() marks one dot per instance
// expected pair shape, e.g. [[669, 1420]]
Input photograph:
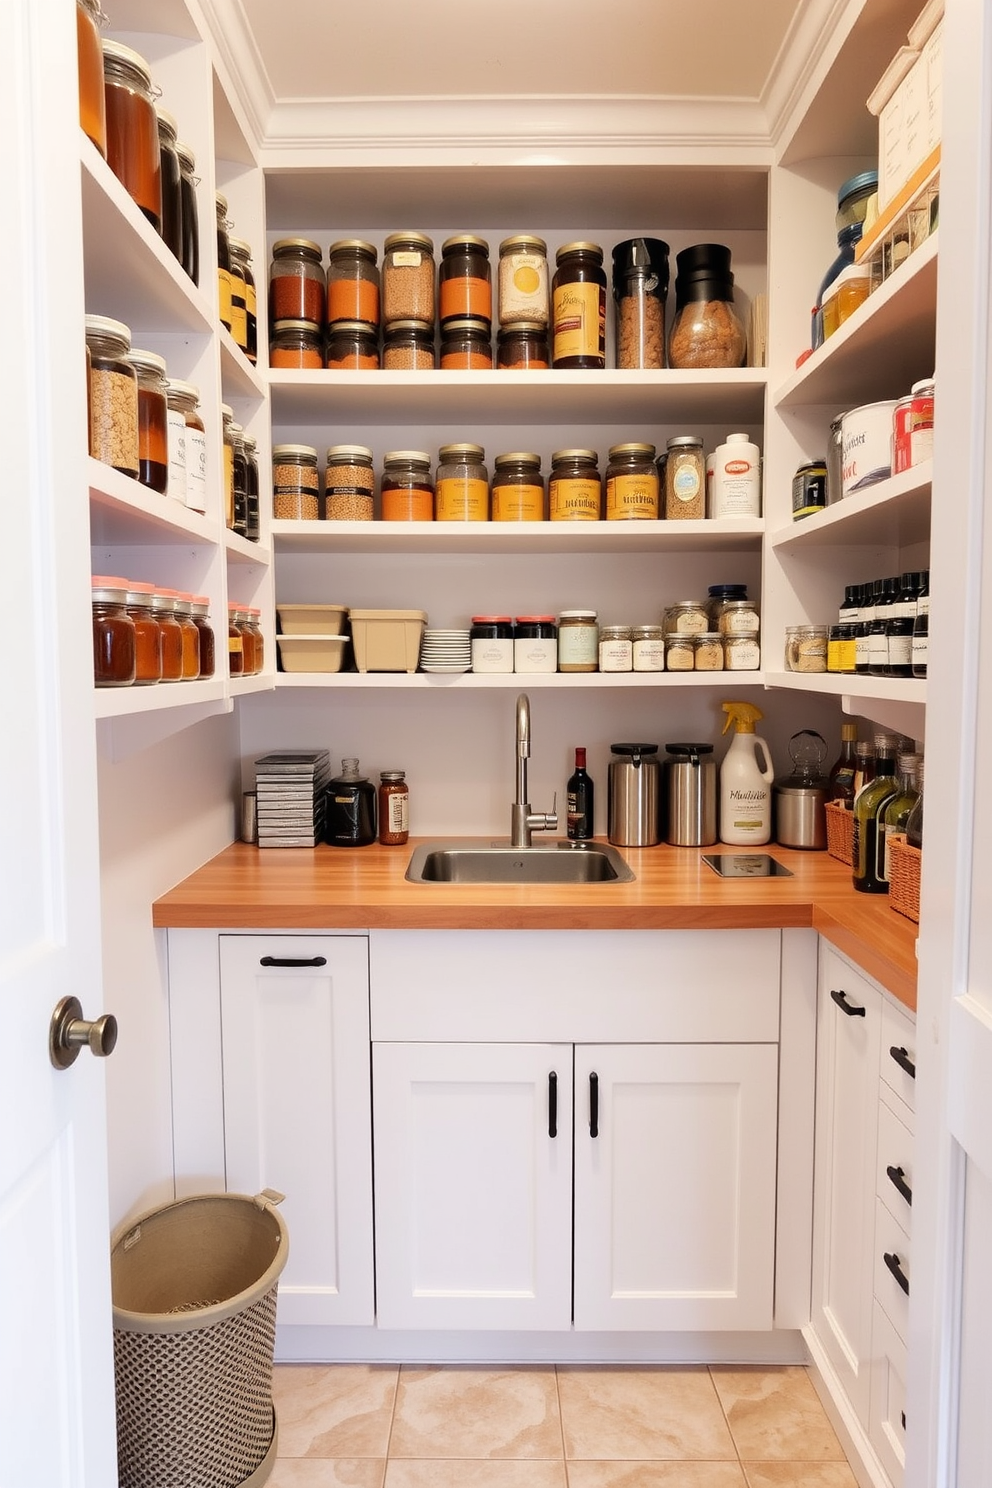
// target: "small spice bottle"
[[113, 395], [461, 484], [147, 634], [153, 420], [183, 605], [741, 653], [296, 343], [522, 346], [89, 63], [631, 483], [685, 479], [297, 287], [172, 206], [189, 181], [575, 490], [707, 653], [407, 491], [208, 647], [408, 346], [185, 398], [407, 278], [349, 483], [523, 280], [245, 324], [164, 610], [353, 283], [578, 307], [223, 263], [295, 483], [464, 280], [113, 633], [518, 488], [352, 343], [648, 648], [394, 808], [235, 643], [535, 644], [132, 129], [491, 638], [616, 649], [578, 641], [466, 345], [253, 514]]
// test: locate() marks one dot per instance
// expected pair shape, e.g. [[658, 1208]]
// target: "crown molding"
[[244, 73]]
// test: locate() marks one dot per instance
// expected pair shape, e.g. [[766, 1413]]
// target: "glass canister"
[[407, 279], [578, 641], [349, 483], [188, 181], [113, 395], [523, 280], [240, 471], [235, 643], [464, 280], [297, 286], [640, 290], [518, 488], [245, 326], [741, 653], [253, 508], [578, 307], [491, 638], [172, 195], [296, 343], [461, 484], [616, 649], [183, 605], [353, 283], [575, 490], [186, 397], [680, 652], [352, 343], [466, 345], [224, 287], [147, 634], [208, 642], [295, 483], [535, 644], [406, 489], [806, 648], [394, 808], [707, 330], [631, 483], [239, 295], [522, 346], [89, 61], [132, 129], [707, 653], [686, 617], [227, 436], [113, 633], [164, 610], [153, 420], [736, 617], [685, 479], [408, 346], [647, 648]]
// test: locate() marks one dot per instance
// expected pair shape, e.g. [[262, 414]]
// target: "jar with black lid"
[[640, 289], [245, 330], [578, 307], [464, 280], [188, 180], [352, 343], [252, 509], [575, 490], [240, 522], [113, 395], [522, 346], [706, 331], [113, 633], [466, 345], [518, 488], [297, 287], [132, 130], [632, 483], [353, 283], [407, 279], [523, 280], [172, 206], [408, 346], [223, 262], [461, 484]]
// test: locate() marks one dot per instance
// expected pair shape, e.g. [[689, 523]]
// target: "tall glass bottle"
[[914, 822], [840, 781], [897, 811], [580, 795], [868, 847], [921, 629], [864, 765], [878, 631]]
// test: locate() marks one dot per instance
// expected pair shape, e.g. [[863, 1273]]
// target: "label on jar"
[[741, 654], [523, 288], [405, 258], [518, 503], [578, 327], [685, 482], [574, 500], [535, 654], [196, 469], [577, 645], [616, 656], [492, 655], [688, 622], [739, 622], [649, 656], [461, 500], [632, 496], [463, 296], [397, 812], [177, 455], [900, 651]]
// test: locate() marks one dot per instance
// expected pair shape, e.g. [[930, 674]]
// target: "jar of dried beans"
[[349, 484], [297, 287], [113, 395], [461, 490], [295, 483], [631, 483], [523, 280], [132, 129], [464, 279], [575, 490], [296, 343], [407, 490], [518, 488], [352, 283], [408, 346], [407, 278], [352, 343], [153, 420], [466, 345], [706, 331], [640, 289]]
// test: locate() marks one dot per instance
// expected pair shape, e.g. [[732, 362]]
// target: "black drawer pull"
[[850, 1008], [897, 1177], [293, 961], [553, 1104], [902, 1417], [895, 1266], [902, 1059], [594, 1105]]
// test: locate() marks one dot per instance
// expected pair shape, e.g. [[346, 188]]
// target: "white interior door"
[[56, 1368]]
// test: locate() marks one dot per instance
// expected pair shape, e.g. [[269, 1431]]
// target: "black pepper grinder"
[[350, 818]]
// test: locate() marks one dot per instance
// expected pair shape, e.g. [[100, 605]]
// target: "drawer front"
[[894, 1169], [898, 1057], [887, 1415], [892, 1269]]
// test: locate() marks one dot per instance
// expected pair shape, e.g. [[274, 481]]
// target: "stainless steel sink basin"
[[497, 863]]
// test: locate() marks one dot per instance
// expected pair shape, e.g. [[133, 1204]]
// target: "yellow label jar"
[[575, 491], [631, 483], [461, 489], [518, 488]]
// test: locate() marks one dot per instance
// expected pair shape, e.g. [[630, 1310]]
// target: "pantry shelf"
[[121, 702], [515, 537], [895, 511], [518, 681], [883, 689], [124, 512]]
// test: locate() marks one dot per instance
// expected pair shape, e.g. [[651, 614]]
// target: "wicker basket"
[[194, 1291], [840, 832], [904, 876]]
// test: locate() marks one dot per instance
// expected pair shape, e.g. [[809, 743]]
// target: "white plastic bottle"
[[745, 787], [736, 482]]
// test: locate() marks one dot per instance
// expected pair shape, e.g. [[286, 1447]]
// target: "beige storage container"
[[312, 653], [387, 640], [312, 619]]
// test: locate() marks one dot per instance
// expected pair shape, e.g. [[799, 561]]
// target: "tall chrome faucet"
[[523, 821]]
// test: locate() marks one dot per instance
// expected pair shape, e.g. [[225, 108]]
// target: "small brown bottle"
[[394, 808]]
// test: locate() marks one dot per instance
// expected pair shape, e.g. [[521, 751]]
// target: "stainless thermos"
[[633, 817], [691, 795]]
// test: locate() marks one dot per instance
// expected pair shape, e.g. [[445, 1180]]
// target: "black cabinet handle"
[[293, 961], [897, 1177], [902, 1417], [594, 1105], [895, 1266], [552, 1104], [902, 1059], [850, 1008]]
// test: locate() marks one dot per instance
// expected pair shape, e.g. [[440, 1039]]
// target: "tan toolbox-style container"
[[387, 640]]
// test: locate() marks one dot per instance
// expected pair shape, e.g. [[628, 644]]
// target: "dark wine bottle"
[[580, 799], [840, 782]]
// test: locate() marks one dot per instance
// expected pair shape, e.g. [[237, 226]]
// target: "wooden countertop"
[[328, 888]]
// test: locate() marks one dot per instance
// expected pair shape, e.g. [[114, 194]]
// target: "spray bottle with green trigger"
[[745, 788]]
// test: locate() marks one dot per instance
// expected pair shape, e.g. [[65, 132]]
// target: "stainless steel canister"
[[691, 795], [633, 815]]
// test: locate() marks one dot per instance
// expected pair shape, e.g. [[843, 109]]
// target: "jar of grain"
[[352, 343], [113, 633], [89, 64], [185, 397], [616, 649], [535, 644], [631, 483], [153, 420], [648, 648], [296, 343], [686, 617], [407, 278], [466, 344], [352, 283], [685, 479], [408, 346], [113, 395], [407, 489], [132, 128], [575, 491], [461, 489], [707, 655], [741, 653], [297, 287], [295, 483], [523, 280], [464, 280], [680, 652], [736, 617], [640, 289], [349, 484], [522, 346], [806, 648], [518, 488]]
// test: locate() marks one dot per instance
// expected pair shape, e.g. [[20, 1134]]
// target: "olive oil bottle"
[[869, 807]]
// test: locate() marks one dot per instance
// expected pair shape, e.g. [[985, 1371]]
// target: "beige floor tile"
[[328, 1472], [775, 1415], [334, 1410], [455, 1411], [642, 1414], [480, 1473], [799, 1475], [654, 1475]]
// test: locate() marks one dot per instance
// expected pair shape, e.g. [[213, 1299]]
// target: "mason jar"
[[89, 64], [522, 346], [408, 279], [523, 280], [296, 343], [132, 128], [224, 289], [408, 346], [353, 283], [406, 489], [578, 641], [616, 649], [113, 395], [295, 483], [631, 483], [352, 343], [297, 287], [153, 420], [349, 483], [578, 307], [518, 488], [464, 280], [461, 484], [575, 490], [466, 345]]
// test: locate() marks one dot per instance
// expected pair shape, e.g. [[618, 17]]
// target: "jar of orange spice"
[[407, 490]]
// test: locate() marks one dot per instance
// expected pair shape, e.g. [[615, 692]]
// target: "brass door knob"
[[69, 1032]]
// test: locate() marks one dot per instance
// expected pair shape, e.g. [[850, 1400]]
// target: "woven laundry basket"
[[194, 1292]]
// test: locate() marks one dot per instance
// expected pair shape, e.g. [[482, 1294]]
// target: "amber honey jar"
[[191, 636], [89, 52], [113, 633], [132, 128], [153, 420], [406, 488], [147, 634], [164, 610], [235, 643], [518, 488], [208, 645]]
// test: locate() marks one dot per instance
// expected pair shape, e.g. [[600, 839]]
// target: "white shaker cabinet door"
[[473, 1185], [675, 1186], [297, 1109]]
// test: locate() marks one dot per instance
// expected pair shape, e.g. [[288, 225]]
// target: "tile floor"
[[541, 1426]]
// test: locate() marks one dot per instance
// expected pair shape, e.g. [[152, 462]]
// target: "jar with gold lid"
[[518, 488], [523, 280], [353, 344], [464, 280], [575, 490], [522, 346], [578, 307], [225, 288], [461, 484], [408, 346], [631, 483], [466, 345], [297, 286], [578, 641], [353, 283], [407, 278], [113, 633], [406, 488]]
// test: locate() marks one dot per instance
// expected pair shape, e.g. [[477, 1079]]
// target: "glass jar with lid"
[[736, 617], [406, 489], [239, 296], [208, 645], [349, 483], [707, 330], [113, 633], [535, 644], [464, 280], [640, 289], [253, 616], [680, 652], [147, 634], [685, 479], [183, 607], [522, 346], [407, 278], [578, 307], [523, 280], [461, 484], [297, 286], [253, 513], [466, 345], [153, 420], [188, 181], [235, 641], [352, 343], [578, 641], [353, 283], [575, 490], [686, 617], [227, 435], [224, 285], [741, 653], [132, 129], [296, 343], [394, 808], [707, 653], [631, 483], [648, 648], [249, 658], [518, 488], [295, 483], [240, 472], [616, 649], [164, 610], [491, 638], [408, 346], [806, 648], [113, 395], [245, 325], [172, 199], [185, 397], [176, 411], [89, 63]]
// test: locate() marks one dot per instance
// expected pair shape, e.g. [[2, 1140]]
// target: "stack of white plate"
[[445, 651]]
